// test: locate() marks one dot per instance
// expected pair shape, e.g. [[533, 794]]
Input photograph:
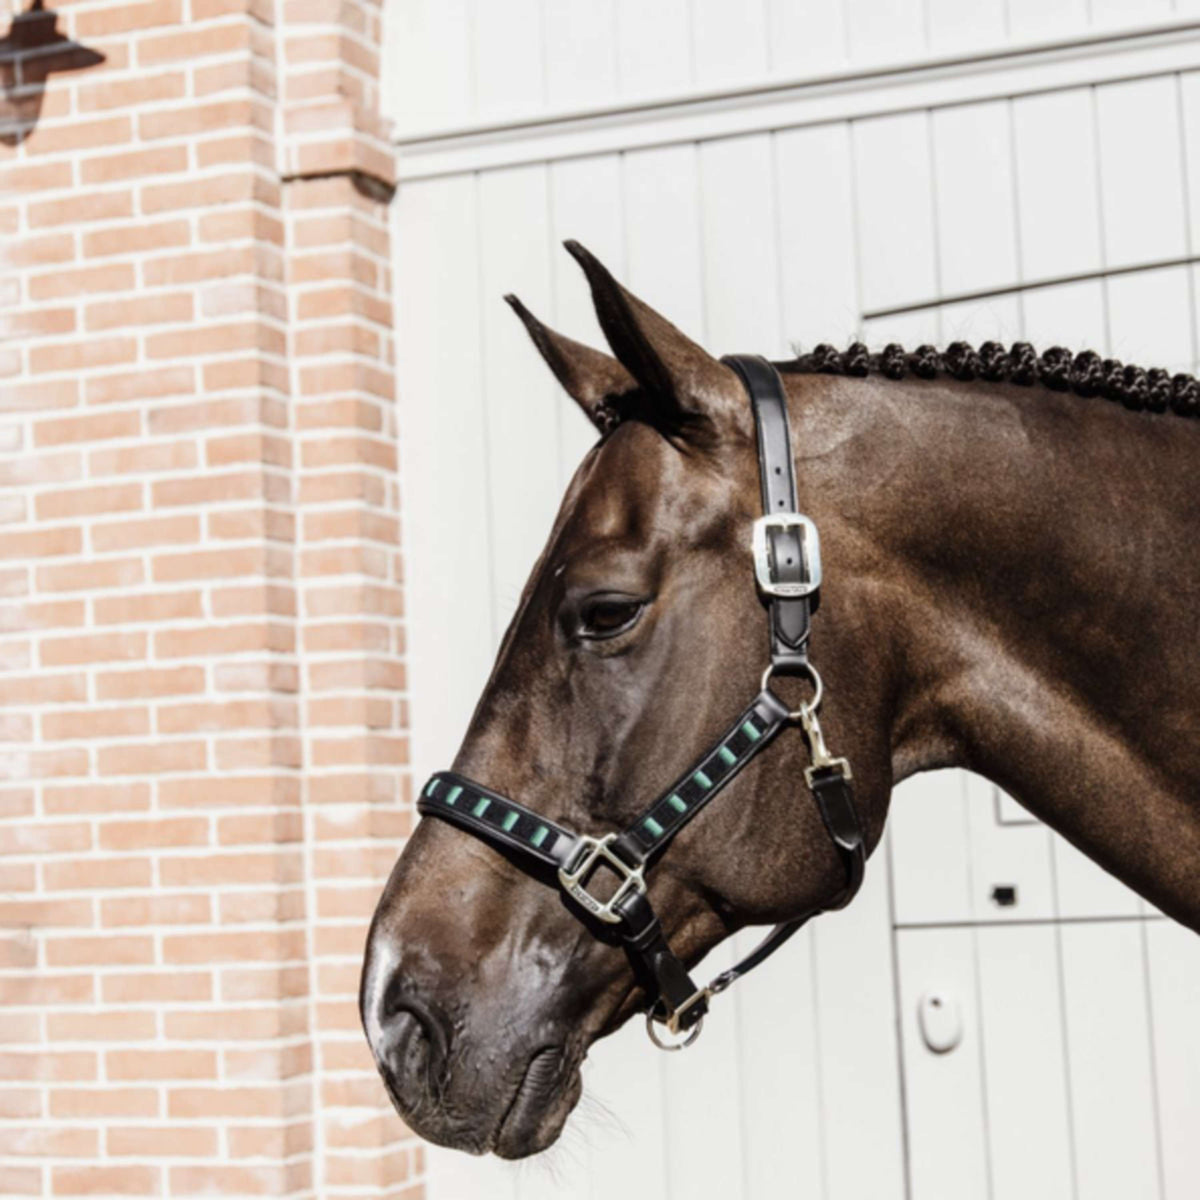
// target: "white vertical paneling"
[[1188, 96], [624, 1119], [780, 1069], [654, 47], [508, 52], [976, 221], [931, 854], [1174, 954], [817, 257], [1006, 855], [860, 1088], [521, 396], [427, 80], [895, 210], [1108, 1041], [1141, 174], [662, 230], [1151, 318], [884, 29], [1024, 1063], [1068, 314], [729, 41], [585, 204], [1032, 19], [944, 1093], [1115, 13], [741, 274], [443, 443], [809, 37], [581, 52], [954, 26], [703, 1125], [1058, 210]]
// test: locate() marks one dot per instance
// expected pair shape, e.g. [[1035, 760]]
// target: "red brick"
[[145, 384], [121, 1181], [134, 164], [78, 210], [95, 723], [90, 648], [151, 531], [93, 427], [164, 606], [150, 758], [115, 19], [99, 951], [144, 834], [82, 281], [75, 502], [149, 1141], [139, 312], [193, 44], [107, 1101], [95, 798], [168, 681], [90, 576], [129, 93]]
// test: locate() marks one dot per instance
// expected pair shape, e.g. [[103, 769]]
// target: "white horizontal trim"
[[901, 85]]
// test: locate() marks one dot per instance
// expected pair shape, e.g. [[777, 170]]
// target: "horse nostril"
[[412, 1046]]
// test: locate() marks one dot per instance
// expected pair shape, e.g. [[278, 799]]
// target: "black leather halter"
[[788, 571]]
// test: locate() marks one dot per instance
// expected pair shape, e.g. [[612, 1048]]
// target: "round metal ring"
[[798, 714], [671, 1047]]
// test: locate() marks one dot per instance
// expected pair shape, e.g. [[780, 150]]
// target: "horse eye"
[[606, 616]]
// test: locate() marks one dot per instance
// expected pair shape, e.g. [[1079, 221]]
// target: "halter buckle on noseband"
[[586, 856]]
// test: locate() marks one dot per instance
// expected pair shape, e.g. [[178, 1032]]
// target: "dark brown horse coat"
[[1011, 586]]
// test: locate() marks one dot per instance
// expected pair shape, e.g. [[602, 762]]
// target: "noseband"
[[787, 567]]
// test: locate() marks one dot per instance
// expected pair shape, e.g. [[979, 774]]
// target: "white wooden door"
[[993, 199]]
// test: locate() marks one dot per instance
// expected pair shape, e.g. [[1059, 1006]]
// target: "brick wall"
[[201, 639]]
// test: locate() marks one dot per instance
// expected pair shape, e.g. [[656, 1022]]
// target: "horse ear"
[[684, 390], [593, 379]]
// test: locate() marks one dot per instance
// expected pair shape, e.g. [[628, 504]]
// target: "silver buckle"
[[588, 853], [810, 552]]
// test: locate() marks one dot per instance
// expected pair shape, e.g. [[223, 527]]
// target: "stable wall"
[[201, 633], [1043, 185]]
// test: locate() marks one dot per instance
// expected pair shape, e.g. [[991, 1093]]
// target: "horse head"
[[638, 636]]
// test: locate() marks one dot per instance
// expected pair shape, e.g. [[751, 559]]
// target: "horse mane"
[[1085, 374]]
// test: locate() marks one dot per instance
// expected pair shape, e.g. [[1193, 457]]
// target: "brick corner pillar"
[[338, 180], [202, 717]]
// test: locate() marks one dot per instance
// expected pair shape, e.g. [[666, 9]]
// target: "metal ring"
[[798, 714], [671, 1047]]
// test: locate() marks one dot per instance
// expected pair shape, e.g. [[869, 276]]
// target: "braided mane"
[[1085, 374]]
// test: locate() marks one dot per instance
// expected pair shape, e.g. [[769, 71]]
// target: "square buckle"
[[588, 854], [765, 567]]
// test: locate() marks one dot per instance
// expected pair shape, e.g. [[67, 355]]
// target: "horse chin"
[[527, 1121], [539, 1108]]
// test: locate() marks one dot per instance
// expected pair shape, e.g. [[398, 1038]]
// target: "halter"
[[787, 567]]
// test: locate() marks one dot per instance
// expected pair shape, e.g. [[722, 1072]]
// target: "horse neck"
[[1030, 556]]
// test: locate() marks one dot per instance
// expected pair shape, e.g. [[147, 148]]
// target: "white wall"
[[754, 225]]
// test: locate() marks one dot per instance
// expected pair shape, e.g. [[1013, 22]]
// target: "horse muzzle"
[[472, 1080]]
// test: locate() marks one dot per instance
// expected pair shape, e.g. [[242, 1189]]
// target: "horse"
[[1011, 587]]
